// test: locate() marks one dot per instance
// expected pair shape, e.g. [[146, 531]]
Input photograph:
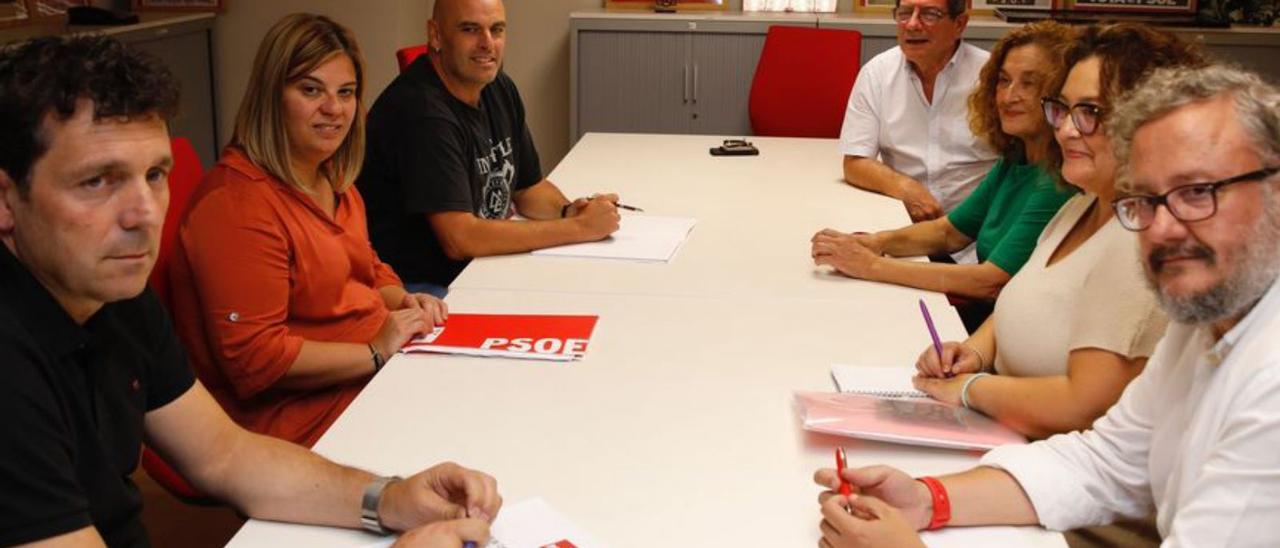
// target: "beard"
[[1252, 272]]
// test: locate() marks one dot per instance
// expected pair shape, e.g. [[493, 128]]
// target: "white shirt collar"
[[1266, 307]]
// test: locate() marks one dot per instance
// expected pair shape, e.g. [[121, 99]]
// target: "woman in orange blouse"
[[279, 297]]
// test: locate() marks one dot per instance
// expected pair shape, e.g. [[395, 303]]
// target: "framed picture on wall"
[[1187, 7], [179, 5], [875, 5], [13, 12], [678, 5], [22, 12], [995, 4], [50, 8], [797, 6]]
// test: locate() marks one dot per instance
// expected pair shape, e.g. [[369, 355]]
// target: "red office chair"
[[803, 80], [183, 178], [406, 56]]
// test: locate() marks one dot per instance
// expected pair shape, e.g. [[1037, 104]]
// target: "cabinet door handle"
[[685, 85], [695, 84]]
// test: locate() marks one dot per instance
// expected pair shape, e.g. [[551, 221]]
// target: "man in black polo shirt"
[[450, 154], [91, 366]]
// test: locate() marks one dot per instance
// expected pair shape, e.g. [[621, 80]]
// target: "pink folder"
[[913, 421]]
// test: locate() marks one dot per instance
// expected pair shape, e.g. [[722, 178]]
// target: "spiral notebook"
[[875, 380]]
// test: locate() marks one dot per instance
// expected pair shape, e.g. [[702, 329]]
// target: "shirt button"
[[234, 316]]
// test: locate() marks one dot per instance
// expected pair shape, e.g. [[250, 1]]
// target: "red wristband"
[[941, 502]]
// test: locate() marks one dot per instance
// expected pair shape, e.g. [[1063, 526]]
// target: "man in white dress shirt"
[[906, 130], [1195, 437]]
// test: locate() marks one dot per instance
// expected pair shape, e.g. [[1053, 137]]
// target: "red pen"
[[845, 488]]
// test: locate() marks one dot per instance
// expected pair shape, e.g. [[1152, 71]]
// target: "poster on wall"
[[1137, 6], [877, 4], [668, 5], [179, 5]]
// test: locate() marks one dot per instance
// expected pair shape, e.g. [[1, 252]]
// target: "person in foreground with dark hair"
[[1194, 437], [92, 366]]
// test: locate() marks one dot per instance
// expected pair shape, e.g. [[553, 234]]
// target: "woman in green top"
[[1007, 211]]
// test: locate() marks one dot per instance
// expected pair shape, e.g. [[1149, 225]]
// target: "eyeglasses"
[[928, 16], [1187, 203], [1084, 116]]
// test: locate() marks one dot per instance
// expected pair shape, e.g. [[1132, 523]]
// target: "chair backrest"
[[183, 178], [406, 56], [802, 82]]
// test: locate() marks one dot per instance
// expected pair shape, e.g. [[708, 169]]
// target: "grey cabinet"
[[633, 81], [723, 66], [185, 47], [678, 74], [687, 73]]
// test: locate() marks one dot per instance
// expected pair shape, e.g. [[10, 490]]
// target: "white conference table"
[[677, 428], [755, 216]]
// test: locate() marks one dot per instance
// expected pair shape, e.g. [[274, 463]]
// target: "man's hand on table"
[[445, 491]]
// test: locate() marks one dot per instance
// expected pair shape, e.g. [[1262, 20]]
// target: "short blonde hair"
[[294, 47]]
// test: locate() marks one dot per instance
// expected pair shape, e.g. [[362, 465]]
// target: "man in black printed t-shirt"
[[450, 160], [91, 365]]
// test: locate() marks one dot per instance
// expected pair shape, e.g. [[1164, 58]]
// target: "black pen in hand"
[[618, 205]]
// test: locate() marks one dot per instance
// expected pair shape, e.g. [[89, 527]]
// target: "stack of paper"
[[913, 421], [538, 337], [875, 380], [639, 238]]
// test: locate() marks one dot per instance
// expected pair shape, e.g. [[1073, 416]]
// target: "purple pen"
[[933, 332]]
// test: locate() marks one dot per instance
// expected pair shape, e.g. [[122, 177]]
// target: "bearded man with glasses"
[[905, 130]]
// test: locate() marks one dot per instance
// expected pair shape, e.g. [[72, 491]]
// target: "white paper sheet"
[[876, 380], [533, 523], [530, 523], [643, 238], [968, 537]]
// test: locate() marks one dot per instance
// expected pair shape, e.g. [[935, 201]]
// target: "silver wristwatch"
[[369, 504]]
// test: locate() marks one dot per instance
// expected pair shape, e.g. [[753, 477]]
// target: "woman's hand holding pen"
[[957, 358]]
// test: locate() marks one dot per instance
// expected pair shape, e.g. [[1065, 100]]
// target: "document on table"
[[912, 421], [966, 537], [643, 238], [530, 523], [533, 523], [525, 336], [876, 380]]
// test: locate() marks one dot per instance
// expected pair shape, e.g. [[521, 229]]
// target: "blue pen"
[[933, 332]]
